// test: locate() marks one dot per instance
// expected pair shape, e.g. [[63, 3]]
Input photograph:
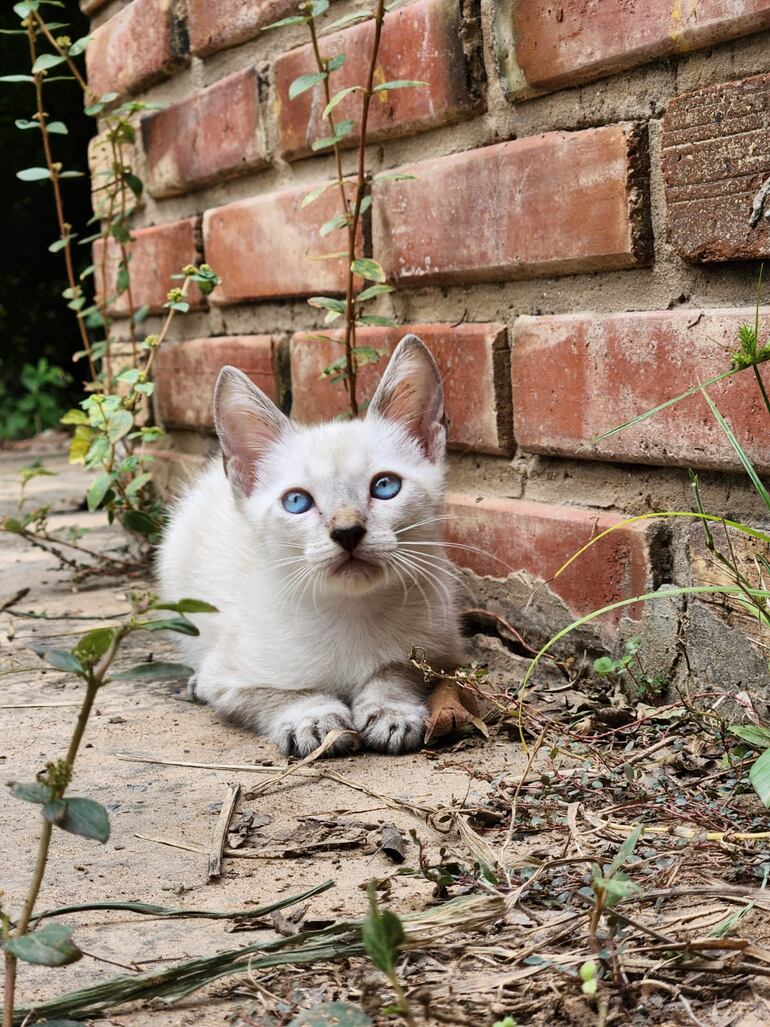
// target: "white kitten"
[[321, 549]]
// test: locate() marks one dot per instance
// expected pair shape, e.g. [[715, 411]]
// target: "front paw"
[[391, 727], [302, 727]]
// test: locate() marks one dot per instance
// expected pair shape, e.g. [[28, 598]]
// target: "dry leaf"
[[450, 708]]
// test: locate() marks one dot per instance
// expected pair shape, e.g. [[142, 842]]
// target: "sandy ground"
[[175, 803]]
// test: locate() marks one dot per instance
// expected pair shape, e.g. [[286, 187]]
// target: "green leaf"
[[181, 306], [376, 320], [368, 269], [61, 659], [36, 792], [365, 204], [84, 817], [399, 83], [313, 195], [16, 78], [338, 98], [141, 523], [92, 646], [349, 19], [187, 606], [74, 417], [759, 775], [71, 174], [130, 375], [155, 671], [757, 736], [33, 174], [319, 7], [134, 183], [304, 82], [338, 221], [47, 946], [336, 62], [625, 850], [98, 489], [57, 128], [181, 625], [341, 130], [327, 303], [294, 20], [121, 422], [604, 665], [46, 61], [372, 291], [382, 934], [332, 1014], [79, 46], [60, 244]]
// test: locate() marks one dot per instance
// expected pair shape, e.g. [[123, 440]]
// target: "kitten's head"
[[349, 506]]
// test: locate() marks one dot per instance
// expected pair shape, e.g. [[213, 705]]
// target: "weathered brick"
[[186, 372], [550, 204], [543, 46], [426, 42], [157, 253], [141, 44], [716, 157], [215, 26], [100, 165], [262, 247], [472, 358], [537, 538], [578, 375], [214, 134]]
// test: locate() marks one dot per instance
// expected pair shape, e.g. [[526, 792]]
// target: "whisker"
[[461, 545], [415, 580], [418, 524], [429, 576]]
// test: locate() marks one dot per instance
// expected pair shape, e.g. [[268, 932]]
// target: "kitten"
[[321, 549]]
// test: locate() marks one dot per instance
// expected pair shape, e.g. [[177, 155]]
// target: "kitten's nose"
[[348, 537]]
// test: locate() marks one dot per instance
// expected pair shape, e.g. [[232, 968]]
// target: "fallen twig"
[[220, 831]]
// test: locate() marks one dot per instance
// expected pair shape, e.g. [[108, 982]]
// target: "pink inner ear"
[[247, 424], [412, 395]]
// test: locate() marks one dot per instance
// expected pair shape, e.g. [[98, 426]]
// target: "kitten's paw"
[[391, 727], [301, 729]]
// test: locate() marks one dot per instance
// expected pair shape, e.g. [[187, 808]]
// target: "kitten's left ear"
[[411, 393], [247, 423]]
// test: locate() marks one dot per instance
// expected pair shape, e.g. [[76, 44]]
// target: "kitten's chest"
[[340, 652]]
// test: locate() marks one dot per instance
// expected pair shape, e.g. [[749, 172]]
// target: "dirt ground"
[[164, 818]]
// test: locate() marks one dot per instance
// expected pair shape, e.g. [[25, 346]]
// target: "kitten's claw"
[[390, 727], [299, 732]]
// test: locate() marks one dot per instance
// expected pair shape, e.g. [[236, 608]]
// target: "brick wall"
[[575, 248]]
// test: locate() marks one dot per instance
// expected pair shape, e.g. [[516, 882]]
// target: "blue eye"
[[385, 486], [297, 501]]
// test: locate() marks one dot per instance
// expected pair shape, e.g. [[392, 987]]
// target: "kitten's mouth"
[[354, 567]]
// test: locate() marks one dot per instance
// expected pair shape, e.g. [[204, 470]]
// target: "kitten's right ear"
[[247, 423]]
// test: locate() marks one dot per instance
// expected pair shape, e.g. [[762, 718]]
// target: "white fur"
[[297, 649]]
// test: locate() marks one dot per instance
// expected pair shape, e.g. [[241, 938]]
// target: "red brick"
[[262, 247], [157, 253], [555, 45], [537, 538], [141, 44], [576, 376], [550, 204], [214, 134], [425, 42], [716, 156], [215, 26], [472, 358], [186, 372]]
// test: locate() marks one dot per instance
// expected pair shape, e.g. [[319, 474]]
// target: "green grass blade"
[[662, 406], [742, 455]]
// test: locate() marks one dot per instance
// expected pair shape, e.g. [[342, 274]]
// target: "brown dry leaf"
[[450, 708]]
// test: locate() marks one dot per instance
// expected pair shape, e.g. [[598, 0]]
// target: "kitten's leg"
[[296, 721], [389, 712]]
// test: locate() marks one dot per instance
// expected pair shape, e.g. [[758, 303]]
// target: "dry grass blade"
[[220, 831], [429, 928], [326, 744]]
